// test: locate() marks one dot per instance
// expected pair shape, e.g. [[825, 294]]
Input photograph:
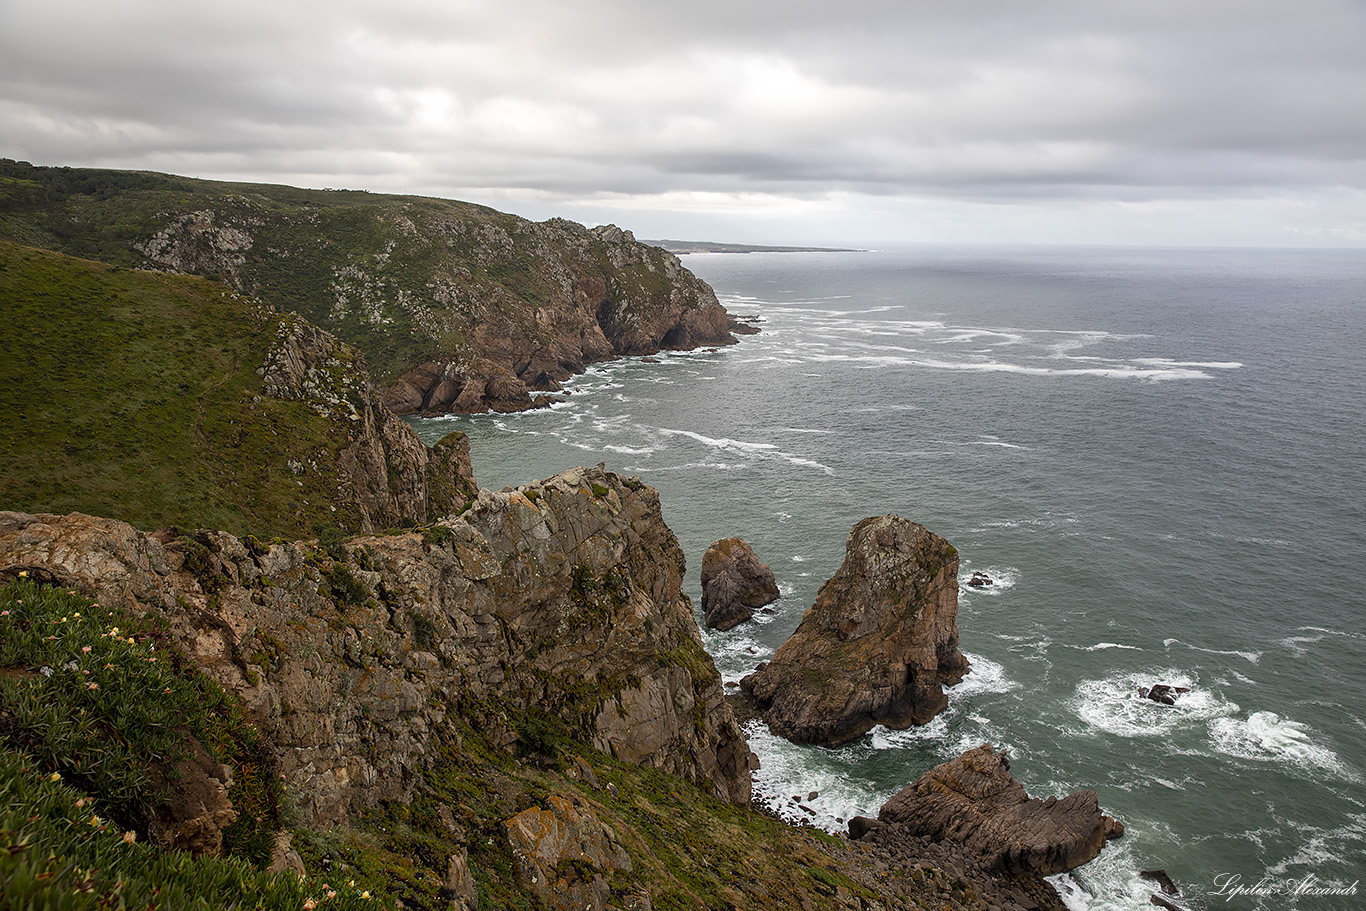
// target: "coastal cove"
[[1155, 454]]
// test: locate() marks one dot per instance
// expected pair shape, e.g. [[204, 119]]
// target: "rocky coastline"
[[502, 695]]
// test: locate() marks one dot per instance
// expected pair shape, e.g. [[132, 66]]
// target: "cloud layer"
[[1235, 121]]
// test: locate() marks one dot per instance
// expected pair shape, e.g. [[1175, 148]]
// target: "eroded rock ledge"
[[561, 596], [878, 645], [974, 801]]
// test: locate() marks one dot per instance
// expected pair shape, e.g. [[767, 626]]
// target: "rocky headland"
[[457, 307], [562, 598], [471, 698]]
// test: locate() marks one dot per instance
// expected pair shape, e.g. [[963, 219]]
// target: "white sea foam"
[[1110, 882], [1323, 849], [985, 676], [1003, 579], [788, 773], [1113, 704], [1268, 737], [1250, 657], [1102, 646]]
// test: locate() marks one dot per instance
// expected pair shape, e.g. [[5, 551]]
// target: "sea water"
[[1159, 457]]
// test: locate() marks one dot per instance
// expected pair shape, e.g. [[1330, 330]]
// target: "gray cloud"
[[780, 109]]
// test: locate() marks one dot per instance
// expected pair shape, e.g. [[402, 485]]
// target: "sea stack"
[[734, 583], [878, 645]]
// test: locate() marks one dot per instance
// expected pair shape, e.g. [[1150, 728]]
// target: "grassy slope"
[[131, 395], [301, 239]]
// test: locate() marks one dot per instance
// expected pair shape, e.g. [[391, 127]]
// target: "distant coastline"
[[707, 246]]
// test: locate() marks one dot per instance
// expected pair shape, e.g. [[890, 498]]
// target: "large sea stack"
[[878, 645]]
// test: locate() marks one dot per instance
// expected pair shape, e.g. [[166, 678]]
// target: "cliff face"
[[561, 598], [876, 647], [457, 307]]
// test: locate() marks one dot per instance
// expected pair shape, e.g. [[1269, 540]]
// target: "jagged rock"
[[878, 645], [385, 473], [460, 885], [975, 801], [734, 583], [561, 596], [552, 846], [1162, 693], [197, 808], [980, 579], [1163, 881], [284, 858]]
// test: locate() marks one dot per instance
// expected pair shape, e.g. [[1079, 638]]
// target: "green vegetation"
[[96, 709], [135, 396], [405, 279]]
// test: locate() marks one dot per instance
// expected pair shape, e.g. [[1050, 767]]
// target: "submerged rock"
[[1162, 693], [878, 645], [734, 583], [975, 801]]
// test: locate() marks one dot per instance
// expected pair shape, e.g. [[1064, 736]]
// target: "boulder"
[[980, 579], [1162, 693], [564, 854], [975, 801], [734, 583], [878, 645]]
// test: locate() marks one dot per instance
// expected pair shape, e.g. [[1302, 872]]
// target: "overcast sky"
[[1219, 122]]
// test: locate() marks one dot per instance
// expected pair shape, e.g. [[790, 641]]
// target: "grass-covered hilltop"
[[456, 307], [261, 648]]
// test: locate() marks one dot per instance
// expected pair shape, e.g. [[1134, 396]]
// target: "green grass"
[[92, 703], [135, 396]]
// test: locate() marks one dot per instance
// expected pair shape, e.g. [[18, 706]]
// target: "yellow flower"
[[55, 776], [365, 894], [96, 822], [23, 574], [129, 837]]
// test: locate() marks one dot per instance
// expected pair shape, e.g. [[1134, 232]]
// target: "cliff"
[[174, 400], [508, 706], [876, 647], [561, 598], [456, 307]]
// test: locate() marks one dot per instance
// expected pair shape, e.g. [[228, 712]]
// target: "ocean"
[[1159, 456]]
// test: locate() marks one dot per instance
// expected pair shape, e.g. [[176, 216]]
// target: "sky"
[[862, 122]]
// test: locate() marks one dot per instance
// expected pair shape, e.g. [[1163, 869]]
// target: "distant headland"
[[679, 247]]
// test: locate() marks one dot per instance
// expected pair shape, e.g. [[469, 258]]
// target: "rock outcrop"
[[975, 801], [565, 855], [560, 598], [878, 645], [383, 476], [734, 584]]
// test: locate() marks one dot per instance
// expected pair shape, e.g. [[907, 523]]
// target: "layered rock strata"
[[975, 801], [735, 583], [562, 597], [878, 645]]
